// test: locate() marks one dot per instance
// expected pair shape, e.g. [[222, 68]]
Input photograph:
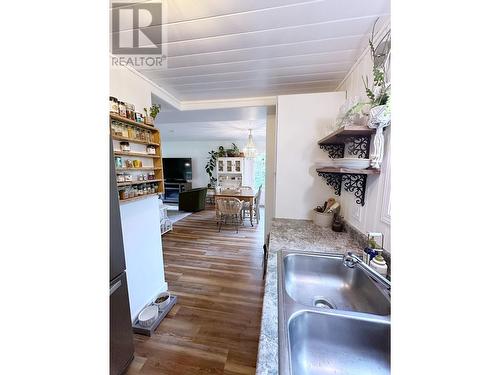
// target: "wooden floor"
[[214, 328]]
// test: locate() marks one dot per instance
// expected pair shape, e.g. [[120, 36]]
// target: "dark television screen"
[[177, 169]]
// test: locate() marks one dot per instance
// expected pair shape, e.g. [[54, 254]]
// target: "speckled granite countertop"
[[300, 235]]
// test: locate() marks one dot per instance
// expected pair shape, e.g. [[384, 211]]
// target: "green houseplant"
[[211, 164], [149, 119]]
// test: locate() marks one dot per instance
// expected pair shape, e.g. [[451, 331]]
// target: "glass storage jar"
[[113, 105], [124, 146], [118, 162], [151, 150], [122, 109], [130, 111], [129, 164], [128, 177], [120, 177]]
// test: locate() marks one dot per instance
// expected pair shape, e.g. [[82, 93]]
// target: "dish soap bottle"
[[378, 264]]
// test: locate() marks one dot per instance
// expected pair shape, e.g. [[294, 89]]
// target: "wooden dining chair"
[[229, 212], [245, 211]]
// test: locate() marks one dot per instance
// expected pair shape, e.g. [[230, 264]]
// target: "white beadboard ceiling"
[[220, 49], [222, 124]]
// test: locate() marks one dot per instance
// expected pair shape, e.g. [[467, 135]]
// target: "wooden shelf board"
[[348, 170], [138, 154], [128, 183], [137, 198], [118, 138], [348, 130], [139, 169], [131, 122]]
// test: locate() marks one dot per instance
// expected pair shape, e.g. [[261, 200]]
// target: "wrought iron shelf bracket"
[[353, 183], [335, 150]]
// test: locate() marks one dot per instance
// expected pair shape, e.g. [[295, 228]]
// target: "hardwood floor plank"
[[215, 326]]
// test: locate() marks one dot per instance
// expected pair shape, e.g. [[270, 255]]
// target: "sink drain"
[[323, 303]]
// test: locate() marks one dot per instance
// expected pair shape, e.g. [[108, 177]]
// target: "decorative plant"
[[234, 151], [153, 111], [380, 92], [211, 163]]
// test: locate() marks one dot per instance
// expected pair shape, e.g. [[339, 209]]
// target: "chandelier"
[[250, 150]]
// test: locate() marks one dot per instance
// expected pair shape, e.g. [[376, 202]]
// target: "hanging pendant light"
[[250, 150]]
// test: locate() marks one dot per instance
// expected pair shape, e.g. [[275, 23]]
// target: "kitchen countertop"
[[300, 235]]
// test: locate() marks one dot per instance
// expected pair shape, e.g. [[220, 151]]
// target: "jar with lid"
[[120, 177], [139, 118], [149, 136], [140, 178], [131, 132], [116, 128], [129, 163], [124, 146], [151, 150], [122, 109], [130, 111], [128, 177], [118, 162], [124, 132], [113, 105], [123, 194], [151, 176]]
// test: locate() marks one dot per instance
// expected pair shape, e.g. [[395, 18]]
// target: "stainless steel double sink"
[[332, 319]]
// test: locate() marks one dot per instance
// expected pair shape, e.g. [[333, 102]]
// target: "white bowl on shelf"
[[148, 315], [162, 305], [351, 163]]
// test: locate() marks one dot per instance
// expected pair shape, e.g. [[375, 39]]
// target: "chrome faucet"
[[350, 260]]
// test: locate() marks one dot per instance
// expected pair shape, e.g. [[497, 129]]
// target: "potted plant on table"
[[153, 112]]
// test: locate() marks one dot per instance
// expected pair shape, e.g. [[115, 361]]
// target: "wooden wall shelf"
[[139, 151], [130, 183], [346, 131], [138, 154], [348, 170], [131, 122], [126, 139]]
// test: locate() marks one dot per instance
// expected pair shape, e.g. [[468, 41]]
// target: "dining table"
[[243, 194]]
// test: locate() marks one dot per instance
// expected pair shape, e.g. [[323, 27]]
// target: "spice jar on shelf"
[[113, 105], [129, 164], [123, 194], [139, 118], [124, 146], [128, 177], [120, 177], [137, 163], [140, 177], [151, 176], [122, 109], [131, 132], [130, 111], [151, 150], [118, 162]]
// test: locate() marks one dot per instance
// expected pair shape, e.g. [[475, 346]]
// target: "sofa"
[[193, 200]]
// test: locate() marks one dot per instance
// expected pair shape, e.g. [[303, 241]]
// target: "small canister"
[[124, 146], [129, 164], [113, 105], [137, 163], [122, 109], [140, 178], [120, 177], [128, 177], [139, 118], [118, 162], [151, 176], [151, 150]]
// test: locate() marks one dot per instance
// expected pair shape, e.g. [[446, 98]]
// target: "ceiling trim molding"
[[228, 103], [204, 104]]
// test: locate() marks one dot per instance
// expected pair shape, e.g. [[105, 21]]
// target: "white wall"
[[302, 120], [198, 152], [375, 215], [140, 219], [270, 191]]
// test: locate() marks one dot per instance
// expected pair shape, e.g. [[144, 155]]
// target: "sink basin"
[[332, 319], [325, 282], [330, 344]]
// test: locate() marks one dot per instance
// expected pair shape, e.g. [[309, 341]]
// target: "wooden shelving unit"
[[348, 170], [358, 138], [346, 131], [153, 162]]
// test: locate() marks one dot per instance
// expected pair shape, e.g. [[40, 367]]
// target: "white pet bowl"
[[162, 305], [148, 315]]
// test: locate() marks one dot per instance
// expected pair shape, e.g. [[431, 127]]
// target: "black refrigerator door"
[[120, 327], [116, 252]]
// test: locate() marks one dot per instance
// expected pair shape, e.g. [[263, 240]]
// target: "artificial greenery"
[[380, 92], [153, 110], [211, 163]]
